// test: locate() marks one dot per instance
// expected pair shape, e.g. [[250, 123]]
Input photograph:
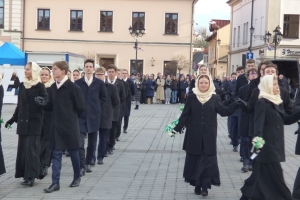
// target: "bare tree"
[[180, 62], [89, 55], [200, 36]]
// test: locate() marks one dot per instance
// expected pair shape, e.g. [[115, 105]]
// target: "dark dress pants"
[[234, 131], [102, 143], [126, 120], [56, 164], [119, 125], [111, 135], [86, 159], [246, 148]]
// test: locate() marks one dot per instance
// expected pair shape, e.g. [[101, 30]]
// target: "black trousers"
[[296, 190], [119, 124], [88, 158], [246, 148], [126, 120], [181, 96], [112, 135], [234, 131]]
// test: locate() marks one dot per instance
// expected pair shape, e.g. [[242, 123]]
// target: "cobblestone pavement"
[[147, 164]]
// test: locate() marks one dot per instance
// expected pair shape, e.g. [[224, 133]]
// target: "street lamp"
[[219, 41], [276, 38], [138, 32]]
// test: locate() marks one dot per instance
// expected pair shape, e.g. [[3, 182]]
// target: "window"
[[138, 20], [43, 19], [239, 35], [234, 36], [105, 62], [169, 68], [1, 13], [291, 26], [171, 23], [76, 20], [136, 69], [106, 21], [246, 33]]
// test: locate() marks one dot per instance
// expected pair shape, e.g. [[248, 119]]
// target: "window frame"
[[164, 64], [2, 7], [234, 36], [76, 21], [44, 11], [133, 28], [138, 60], [290, 22], [239, 36], [112, 21], [165, 26]]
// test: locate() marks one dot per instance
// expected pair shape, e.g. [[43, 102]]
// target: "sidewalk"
[[147, 164]]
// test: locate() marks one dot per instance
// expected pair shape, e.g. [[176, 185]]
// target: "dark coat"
[[124, 106], [94, 96], [28, 114], [150, 88], [283, 83], [66, 104], [2, 165], [240, 82], [119, 109], [243, 117], [201, 122], [182, 85], [252, 85], [1, 104], [138, 89], [107, 108], [269, 120], [130, 93], [192, 85], [46, 121], [225, 85], [232, 87], [174, 85], [297, 108]]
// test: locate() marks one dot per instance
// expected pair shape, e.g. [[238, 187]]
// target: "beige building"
[[10, 21], [218, 47], [100, 29]]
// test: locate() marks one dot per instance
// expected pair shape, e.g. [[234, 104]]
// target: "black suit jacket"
[[243, 116], [240, 82]]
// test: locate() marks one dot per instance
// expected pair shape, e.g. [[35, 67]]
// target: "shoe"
[[100, 162], [92, 163], [64, 152], [204, 192], [124, 131], [113, 148], [52, 188], [31, 182], [45, 170], [82, 172], [230, 143], [117, 139], [197, 191], [245, 168], [241, 159], [111, 152], [107, 154], [75, 182], [88, 169], [67, 153], [244, 198], [25, 182], [138, 107], [250, 167], [235, 149]]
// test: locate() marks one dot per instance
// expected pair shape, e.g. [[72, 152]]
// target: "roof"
[[10, 54], [219, 24], [211, 37], [223, 59]]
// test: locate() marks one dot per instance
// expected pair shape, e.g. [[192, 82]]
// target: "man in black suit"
[[242, 80], [131, 93]]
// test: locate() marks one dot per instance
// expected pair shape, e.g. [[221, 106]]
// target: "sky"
[[205, 10]]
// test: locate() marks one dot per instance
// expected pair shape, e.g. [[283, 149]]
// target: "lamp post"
[[276, 38], [136, 33]]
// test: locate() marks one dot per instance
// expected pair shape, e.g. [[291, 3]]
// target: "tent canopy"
[[10, 54]]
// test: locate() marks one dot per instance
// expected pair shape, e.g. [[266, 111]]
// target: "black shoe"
[[67, 153], [117, 139], [241, 159], [82, 172], [244, 198], [250, 167], [245, 168], [235, 149], [31, 182], [52, 188], [75, 182], [124, 131], [113, 148], [25, 182], [88, 169], [64, 152], [100, 162], [45, 170], [229, 135], [92, 163], [204, 192], [107, 154], [136, 107], [230, 143], [197, 191], [111, 152]]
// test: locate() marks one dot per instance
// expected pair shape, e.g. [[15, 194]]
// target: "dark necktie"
[[58, 82], [111, 81]]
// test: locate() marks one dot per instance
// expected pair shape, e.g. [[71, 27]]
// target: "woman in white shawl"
[[29, 117], [200, 142]]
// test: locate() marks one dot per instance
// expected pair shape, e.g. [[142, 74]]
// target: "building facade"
[[100, 30], [267, 15], [10, 21]]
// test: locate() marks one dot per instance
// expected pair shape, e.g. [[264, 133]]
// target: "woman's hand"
[[9, 123]]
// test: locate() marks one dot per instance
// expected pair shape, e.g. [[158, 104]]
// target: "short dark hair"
[[233, 73], [239, 68], [267, 62], [76, 70], [89, 61], [271, 65], [112, 66], [251, 70], [62, 65], [250, 61]]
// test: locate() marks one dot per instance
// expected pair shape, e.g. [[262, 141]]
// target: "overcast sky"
[[206, 10]]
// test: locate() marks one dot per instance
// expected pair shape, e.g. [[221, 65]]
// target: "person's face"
[[203, 84], [280, 76], [76, 75], [125, 74], [228, 78], [168, 77], [28, 72], [100, 75], [182, 78], [203, 70], [88, 68], [233, 77], [111, 74], [252, 75], [275, 87], [270, 71], [119, 75], [250, 66], [69, 74], [218, 78], [45, 76], [57, 73], [14, 74], [151, 77], [240, 72]]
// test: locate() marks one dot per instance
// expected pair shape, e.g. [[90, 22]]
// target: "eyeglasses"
[[99, 74]]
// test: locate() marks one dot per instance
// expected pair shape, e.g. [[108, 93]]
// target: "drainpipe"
[[251, 27], [191, 45], [23, 31]]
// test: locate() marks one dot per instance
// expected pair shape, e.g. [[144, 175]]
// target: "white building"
[[267, 15]]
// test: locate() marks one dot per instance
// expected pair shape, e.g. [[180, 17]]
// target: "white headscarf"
[[209, 75], [36, 70], [51, 80], [266, 90], [203, 97]]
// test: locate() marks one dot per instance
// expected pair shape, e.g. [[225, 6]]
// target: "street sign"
[[249, 55]]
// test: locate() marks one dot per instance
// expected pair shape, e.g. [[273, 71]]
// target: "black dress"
[[200, 142], [2, 166], [266, 181]]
